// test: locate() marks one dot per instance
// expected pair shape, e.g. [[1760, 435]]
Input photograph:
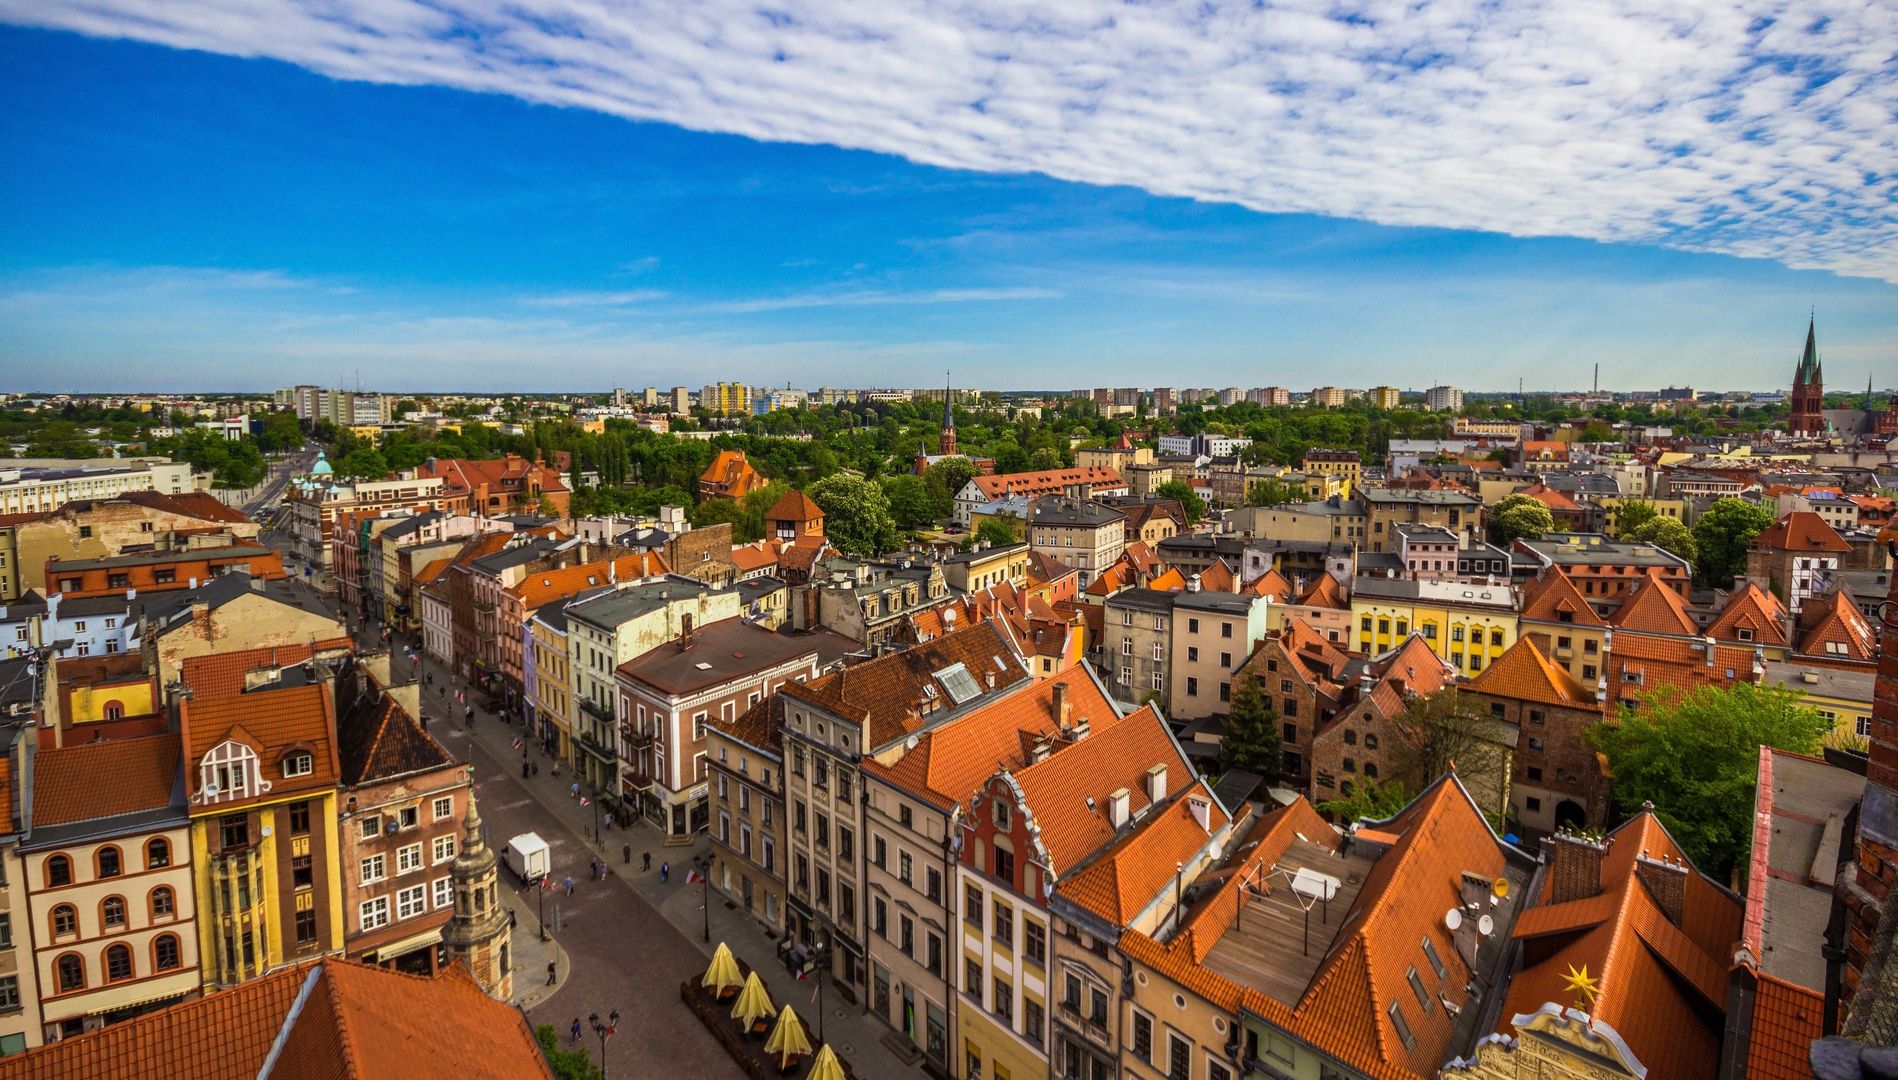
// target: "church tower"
[[1808, 395], [947, 445], [478, 931]]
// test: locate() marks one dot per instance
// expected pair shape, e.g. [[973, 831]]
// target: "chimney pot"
[[1119, 803], [1061, 705]]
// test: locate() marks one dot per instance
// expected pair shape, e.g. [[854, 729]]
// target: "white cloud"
[[1757, 129]]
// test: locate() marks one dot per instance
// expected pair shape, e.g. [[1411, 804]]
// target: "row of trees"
[[1715, 546]]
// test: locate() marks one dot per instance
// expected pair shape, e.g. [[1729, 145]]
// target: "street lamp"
[[820, 962], [604, 1028], [704, 863]]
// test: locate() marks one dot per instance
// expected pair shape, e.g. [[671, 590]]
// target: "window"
[[1417, 988], [374, 914], [372, 869], [65, 920], [6, 930], [408, 817], [9, 993], [58, 871], [1436, 962], [972, 978], [1192, 654], [1034, 943], [1396, 1014], [444, 890], [1216, 1070], [444, 848], [112, 912], [408, 859], [972, 906], [1071, 992], [299, 819], [443, 807], [370, 826], [302, 872], [1003, 1002], [1179, 1058], [411, 902], [298, 764], [1005, 865], [1001, 815], [165, 953], [879, 917], [906, 935], [306, 927], [1004, 928], [902, 865], [1143, 1037], [846, 844], [71, 972], [163, 902], [1192, 686], [109, 862], [1033, 1023], [935, 954], [118, 963]]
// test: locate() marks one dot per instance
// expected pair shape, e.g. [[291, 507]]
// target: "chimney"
[[1709, 641], [1156, 783], [1574, 867], [1061, 706], [1118, 803], [1202, 812], [1666, 882], [685, 630], [1192, 583]]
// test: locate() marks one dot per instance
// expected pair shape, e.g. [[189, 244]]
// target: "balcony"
[[593, 745], [640, 740], [1085, 1026], [603, 713]]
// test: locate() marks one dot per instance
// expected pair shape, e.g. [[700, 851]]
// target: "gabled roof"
[[1801, 531], [1045, 482], [1412, 667], [794, 506], [1067, 791], [1272, 584], [731, 472], [104, 779], [1554, 597], [1754, 610], [539, 587], [1651, 607], [1663, 986], [1832, 619], [379, 740], [217, 675], [1141, 864], [1551, 498], [888, 693], [1325, 592], [1523, 673], [1218, 577], [273, 720]]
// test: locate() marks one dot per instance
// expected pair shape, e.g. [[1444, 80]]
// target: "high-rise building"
[[1808, 396], [1163, 400], [1443, 399], [1384, 397], [1231, 395], [1329, 397], [681, 401], [726, 399], [1128, 396]]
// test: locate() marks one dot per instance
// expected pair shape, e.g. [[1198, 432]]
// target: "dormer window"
[[1001, 815], [229, 771], [299, 764]]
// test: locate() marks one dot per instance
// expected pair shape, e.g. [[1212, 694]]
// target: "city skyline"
[[186, 220]]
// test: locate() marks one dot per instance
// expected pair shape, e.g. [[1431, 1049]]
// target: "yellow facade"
[[553, 687], [131, 697], [1577, 648], [989, 1030], [1667, 508], [242, 892], [1470, 639]]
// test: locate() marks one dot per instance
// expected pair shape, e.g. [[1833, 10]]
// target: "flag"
[[815, 990], [517, 744], [546, 883], [584, 801], [692, 876]]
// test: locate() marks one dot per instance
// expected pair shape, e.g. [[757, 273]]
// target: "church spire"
[[1809, 372], [947, 445]]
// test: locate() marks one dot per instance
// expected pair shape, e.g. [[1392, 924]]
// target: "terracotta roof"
[[761, 726], [732, 474], [1556, 596], [755, 556], [1045, 482], [269, 722], [887, 693], [1127, 876], [1411, 667], [1217, 578], [379, 740], [502, 473], [217, 675], [198, 504], [432, 571], [1787, 1020], [1272, 584], [1325, 592], [949, 763], [1524, 674], [1550, 497], [1141, 556], [1067, 791], [794, 506], [1801, 531], [538, 587], [1048, 568], [1754, 610], [1651, 607], [69, 783], [1171, 581], [1832, 619], [1663, 986]]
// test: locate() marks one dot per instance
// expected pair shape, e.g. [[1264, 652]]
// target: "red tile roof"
[[1801, 531], [1755, 611], [270, 722], [1555, 500], [1787, 1020], [731, 475], [794, 506], [887, 693], [1325, 592], [71, 783], [1046, 482], [1125, 878], [217, 675], [1058, 788], [1524, 674], [1831, 626], [1650, 606], [542, 586], [1556, 599]]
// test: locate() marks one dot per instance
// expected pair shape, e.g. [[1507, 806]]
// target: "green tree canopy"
[[1721, 536], [1188, 499], [1665, 533], [909, 500], [1695, 756], [565, 1064], [746, 515], [1046, 457], [1251, 742], [945, 478], [996, 532], [856, 514], [1368, 801], [1519, 517], [1633, 514], [1272, 493], [362, 464]]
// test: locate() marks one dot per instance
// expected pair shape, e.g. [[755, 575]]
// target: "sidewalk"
[[532, 955], [852, 1032]]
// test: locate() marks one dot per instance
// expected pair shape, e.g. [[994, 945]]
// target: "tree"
[[282, 433], [945, 479], [565, 1064], [1695, 756], [856, 515], [1272, 493], [1368, 801], [1045, 458], [363, 464], [1251, 742], [1519, 517], [1630, 516], [996, 532], [1722, 535], [1665, 533], [1447, 732], [909, 500], [1188, 499]]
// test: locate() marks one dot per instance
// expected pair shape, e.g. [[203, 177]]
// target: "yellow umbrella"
[[723, 971], [787, 1039], [826, 1065], [753, 1003]]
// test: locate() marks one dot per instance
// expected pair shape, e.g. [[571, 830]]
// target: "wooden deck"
[[1267, 947]]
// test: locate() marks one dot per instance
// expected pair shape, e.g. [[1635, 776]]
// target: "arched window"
[[70, 972], [109, 862], [65, 920], [158, 853], [164, 902], [1370, 742], [1370, 770], [58, 870], [112, 912], [165, 952], [114, 710], [118, 963]]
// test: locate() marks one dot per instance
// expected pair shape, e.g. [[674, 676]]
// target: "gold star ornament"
[[1583, 985]]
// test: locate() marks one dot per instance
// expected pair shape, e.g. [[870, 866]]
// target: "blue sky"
[[173, 218]]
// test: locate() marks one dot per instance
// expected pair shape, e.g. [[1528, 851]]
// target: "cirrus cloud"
[[1762, 129]]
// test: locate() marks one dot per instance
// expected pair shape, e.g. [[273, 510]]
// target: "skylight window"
[[959, 684]]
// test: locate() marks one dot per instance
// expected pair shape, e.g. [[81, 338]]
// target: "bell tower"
[[1808, 396], [478, 932], [946, 446]]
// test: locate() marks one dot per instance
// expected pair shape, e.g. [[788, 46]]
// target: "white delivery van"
[[528, 856]]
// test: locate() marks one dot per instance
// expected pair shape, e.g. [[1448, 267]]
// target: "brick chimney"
[[685, 630], [1666, 882], [1574, 867], [1061, 706]]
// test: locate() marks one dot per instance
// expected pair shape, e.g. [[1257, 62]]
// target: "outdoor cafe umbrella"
[[753, 1003], [787, 1039], [826, 1066], [723, 972]]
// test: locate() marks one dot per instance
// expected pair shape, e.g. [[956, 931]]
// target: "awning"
[[406, 945]]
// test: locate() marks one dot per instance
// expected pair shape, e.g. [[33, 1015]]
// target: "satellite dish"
[[1499, 888], [1453, 918], [910, 743], [1484, 925], [211, 789]]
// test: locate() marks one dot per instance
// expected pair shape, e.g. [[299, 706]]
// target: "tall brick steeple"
[[1808, 396]]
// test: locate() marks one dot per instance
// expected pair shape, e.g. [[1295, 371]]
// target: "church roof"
[[1809, 373]]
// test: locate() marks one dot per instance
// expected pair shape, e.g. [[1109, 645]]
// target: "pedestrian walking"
[[665, 871], [645, 862], [576, 1029], [552, 968], [567, 883], [525, 769], [574, 790], [609, 819], [537, 768], [627, 851]]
